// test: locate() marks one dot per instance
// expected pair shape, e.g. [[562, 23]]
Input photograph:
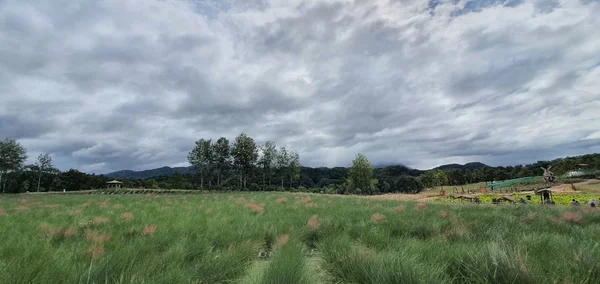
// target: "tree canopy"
[[360, 175]]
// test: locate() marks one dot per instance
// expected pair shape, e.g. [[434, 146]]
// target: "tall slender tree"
[[202, 158], [222, 152], [44, 163], [282, 162], [12, 157], [245, 155], [267, 159], [294, 167]]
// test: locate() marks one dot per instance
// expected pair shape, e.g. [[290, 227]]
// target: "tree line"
[[222, 162], [242, 164], [16, 176]]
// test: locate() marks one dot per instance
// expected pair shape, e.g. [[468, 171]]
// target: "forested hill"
[[146, 174], [325, 172], [467, 166]]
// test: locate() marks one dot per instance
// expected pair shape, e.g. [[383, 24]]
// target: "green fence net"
[[514, 182]]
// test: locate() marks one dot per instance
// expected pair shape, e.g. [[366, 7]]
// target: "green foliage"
[[222, 155], [245, 155], [44, 163], [267, 161], [203, 157], [360, 175], [12, 157]]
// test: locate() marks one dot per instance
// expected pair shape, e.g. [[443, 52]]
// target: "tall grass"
[[288, 266], [217, 238], [353, 263]]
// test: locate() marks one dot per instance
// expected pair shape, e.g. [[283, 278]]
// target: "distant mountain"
[[467, 166], [396, 168], [383, 165], [129, 174]]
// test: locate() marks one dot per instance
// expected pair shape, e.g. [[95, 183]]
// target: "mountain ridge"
[[166, 170]]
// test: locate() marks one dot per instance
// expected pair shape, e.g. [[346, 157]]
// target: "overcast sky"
[[131, 84]]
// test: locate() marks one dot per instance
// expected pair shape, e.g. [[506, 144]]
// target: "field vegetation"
[[290, 238]]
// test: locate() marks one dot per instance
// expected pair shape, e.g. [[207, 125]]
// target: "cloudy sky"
[[131, 84]]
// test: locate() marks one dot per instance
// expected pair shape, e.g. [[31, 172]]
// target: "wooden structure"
[[113, 184], [465, 197], [548, 175], [545, 194]]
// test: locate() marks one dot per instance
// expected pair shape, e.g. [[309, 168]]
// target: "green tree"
[[12, 157], [222, 154], [360, 175], [267, 159], [293, 167], [245, 154], [440, 178], [202, 158], [44, 163], [282, 162], [73, 180]]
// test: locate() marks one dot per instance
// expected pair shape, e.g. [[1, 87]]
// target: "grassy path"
[[256, 273]]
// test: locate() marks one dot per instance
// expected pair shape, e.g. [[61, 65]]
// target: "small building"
[[113, 184], [545, 195]]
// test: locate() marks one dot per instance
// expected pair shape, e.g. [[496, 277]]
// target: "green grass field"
[[290, 238]]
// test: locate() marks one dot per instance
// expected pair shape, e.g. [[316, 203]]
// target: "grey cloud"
[[546, 6], [109, 85], [22, 127]]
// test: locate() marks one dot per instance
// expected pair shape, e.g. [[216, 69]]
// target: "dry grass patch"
[[283, 240], [313, 223], [420, 206], [100, 220], [376, 217], [70, 232], [259, 208], [149, 230], [572, 218], [127, 216]]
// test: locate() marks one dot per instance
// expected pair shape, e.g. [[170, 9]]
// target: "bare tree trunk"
[[219, 178], [291, 182], [39, 180], [281, 183], [263, 185], [1, 187], [201, 181]]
